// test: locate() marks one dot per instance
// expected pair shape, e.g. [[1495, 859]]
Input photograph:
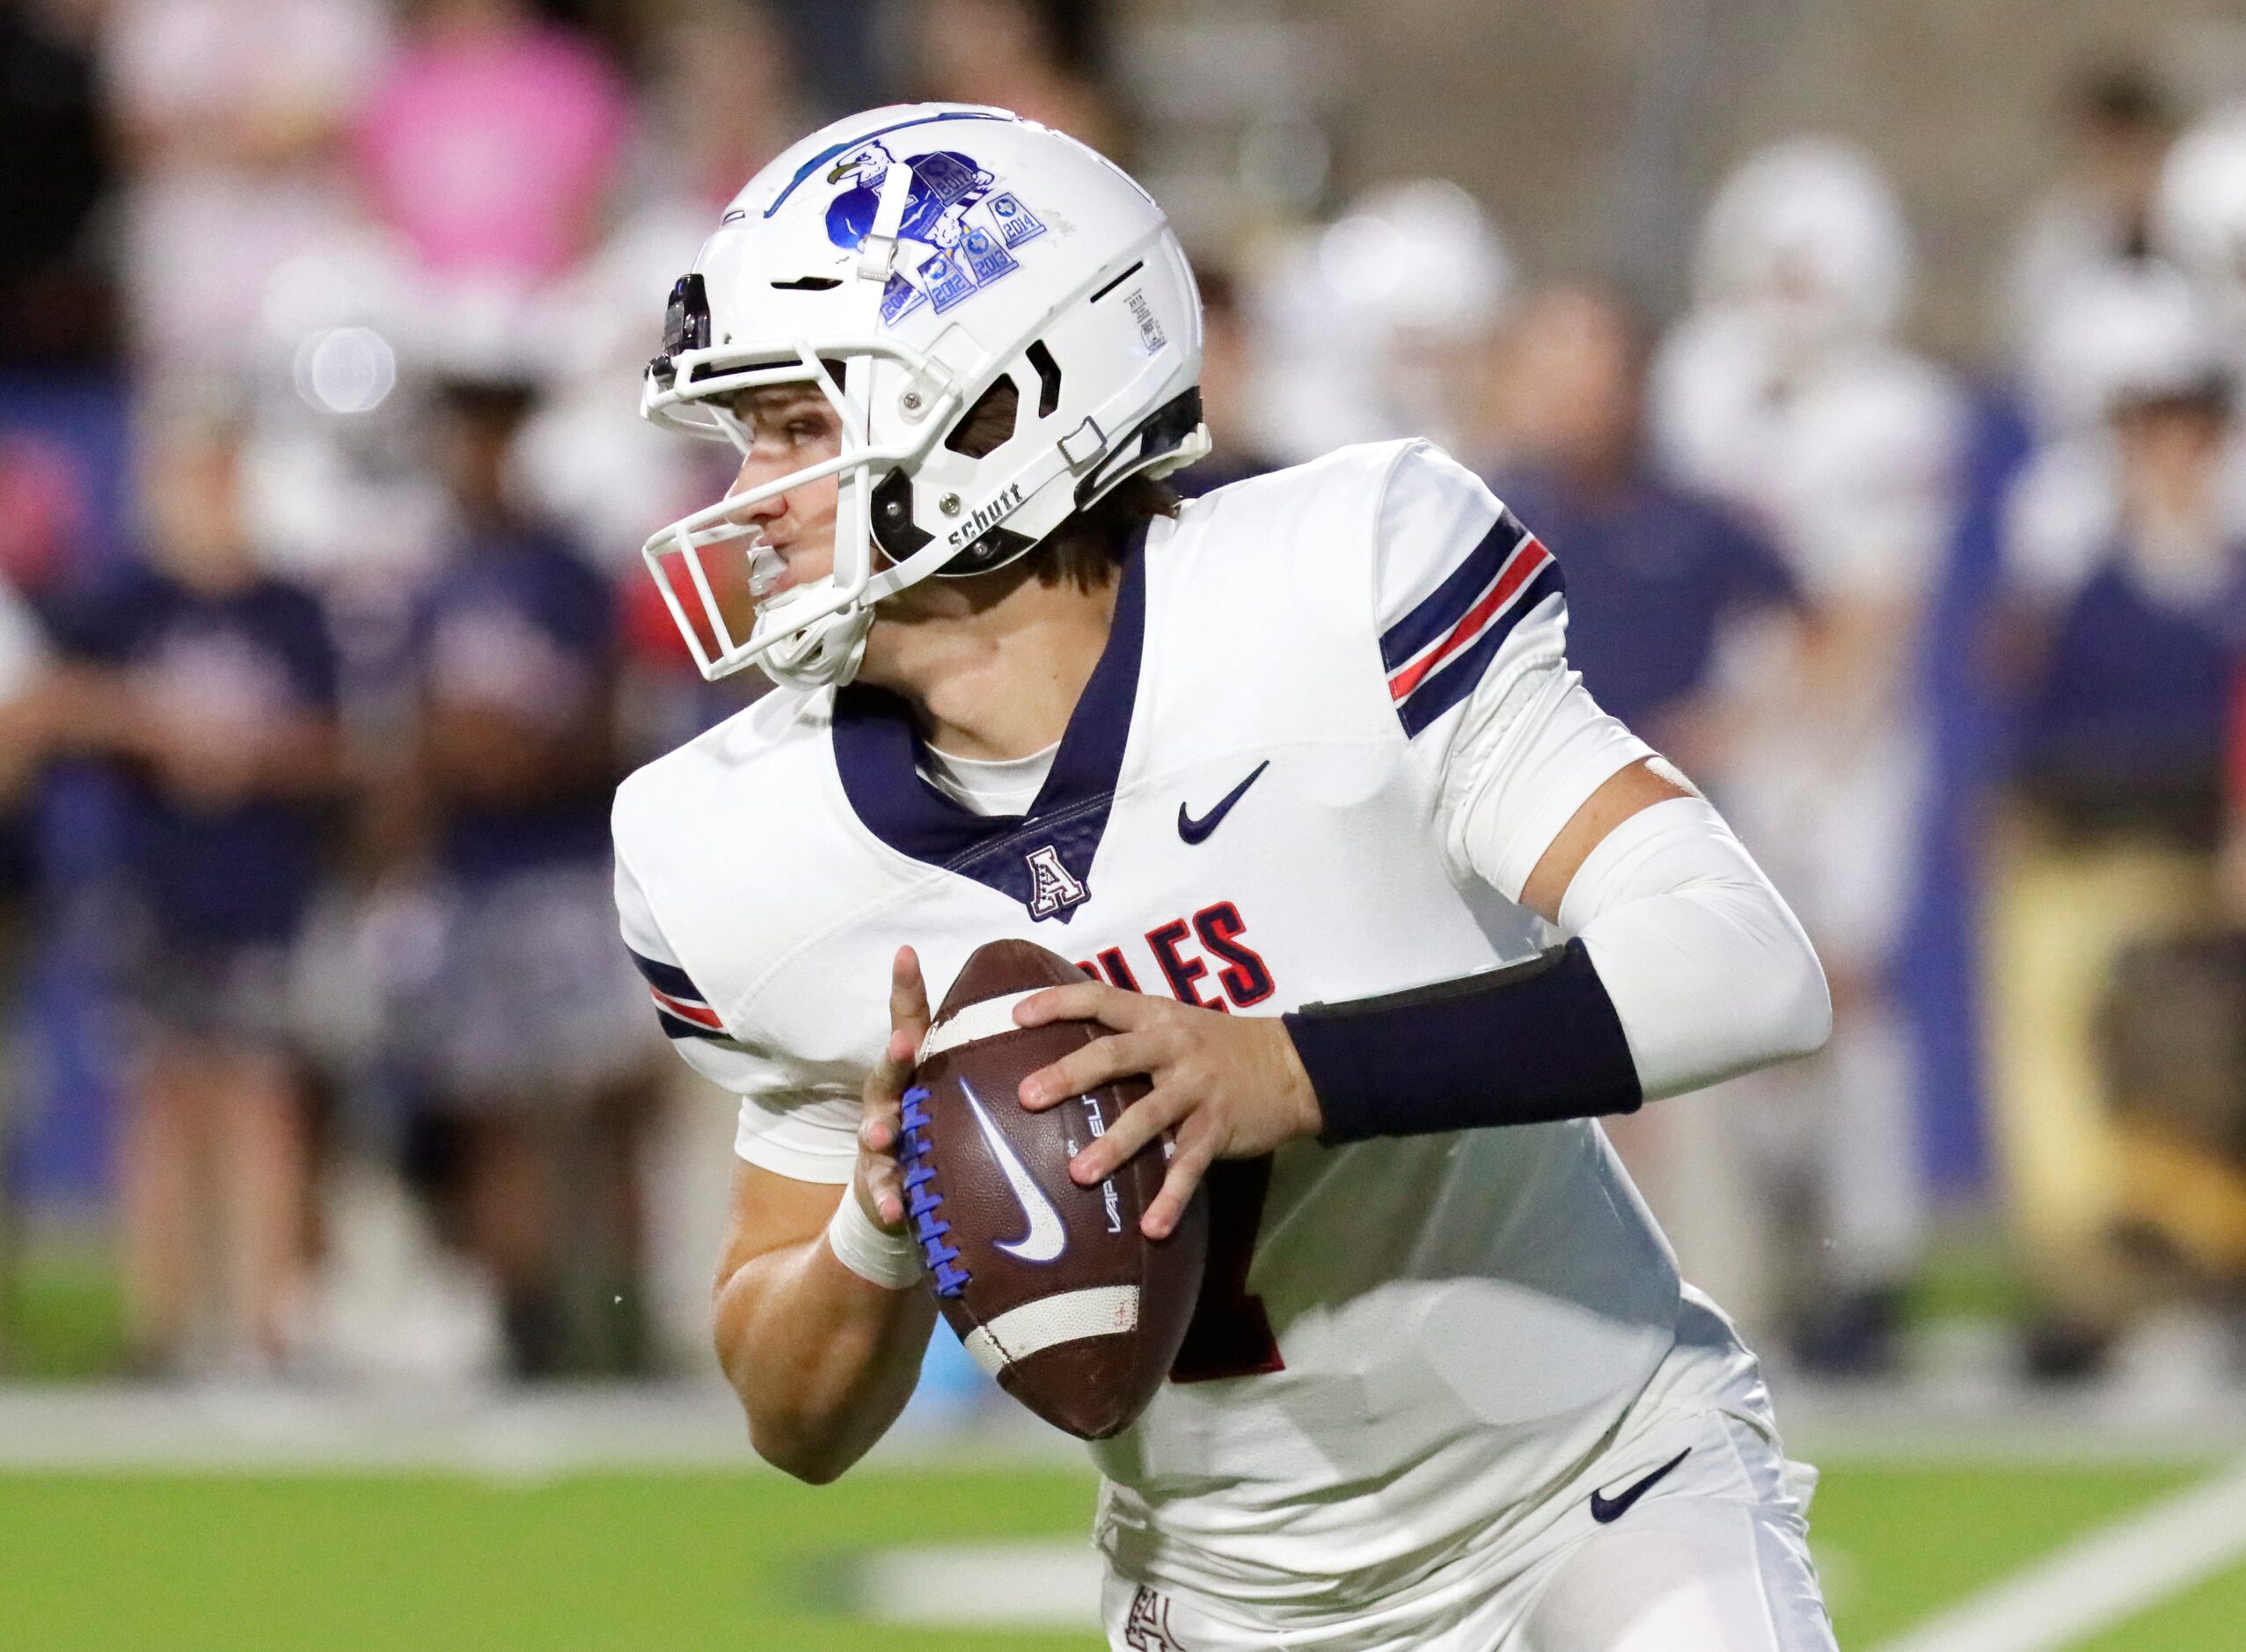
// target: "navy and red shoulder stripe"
[[1436, 653], [680, 1004]]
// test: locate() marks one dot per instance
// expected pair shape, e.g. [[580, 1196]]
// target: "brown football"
[[1051, 1286]]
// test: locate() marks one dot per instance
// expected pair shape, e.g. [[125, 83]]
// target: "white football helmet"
[[2199, 215], [1807, 237], [905, 260], [2123, 332]]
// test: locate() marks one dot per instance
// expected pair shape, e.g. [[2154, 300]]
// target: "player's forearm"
[[823, 1361], [1686, 967], [1708, 970]]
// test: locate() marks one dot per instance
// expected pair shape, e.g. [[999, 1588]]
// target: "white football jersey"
[[1251, 809]]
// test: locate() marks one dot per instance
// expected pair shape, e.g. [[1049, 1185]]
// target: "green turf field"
[[672, 1561]]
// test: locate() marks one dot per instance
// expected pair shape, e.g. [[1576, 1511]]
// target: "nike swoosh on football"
[[1607, 1509], [1047, 1237], [1195, 831]]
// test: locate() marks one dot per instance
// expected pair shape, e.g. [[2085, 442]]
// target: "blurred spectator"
[[2118, 123], [721, 106], [23, 745], [1043, 58], [1659, 579], [524, 1033], [55, 288], [1225, 402], [490, 146], [2124, 661], [212, 689], [228, 112], [723, 103], [1784, 394]]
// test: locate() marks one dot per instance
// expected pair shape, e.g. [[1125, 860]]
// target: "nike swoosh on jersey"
[[1195, 831], [1047, 1237], [1608, 1509]]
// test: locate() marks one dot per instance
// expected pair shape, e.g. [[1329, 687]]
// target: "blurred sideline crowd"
[[306, 765]]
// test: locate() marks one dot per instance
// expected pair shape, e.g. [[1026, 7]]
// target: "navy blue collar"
[[1043, 858]]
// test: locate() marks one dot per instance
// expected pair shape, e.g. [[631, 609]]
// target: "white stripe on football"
[[1071, 1316], [974, 1024]]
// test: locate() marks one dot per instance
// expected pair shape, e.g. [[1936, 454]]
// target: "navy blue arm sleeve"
[[1525, 1045]]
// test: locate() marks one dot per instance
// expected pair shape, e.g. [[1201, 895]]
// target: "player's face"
[[790, 428]]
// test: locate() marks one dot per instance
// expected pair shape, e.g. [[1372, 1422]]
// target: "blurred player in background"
[[1674, 609], [1784, 394], [1373, 326], [1456, 1397], [211, 687], [2097, 218], [2123, 576], [536, 1076]]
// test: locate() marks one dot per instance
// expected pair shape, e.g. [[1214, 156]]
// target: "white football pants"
[[1711, 1556]]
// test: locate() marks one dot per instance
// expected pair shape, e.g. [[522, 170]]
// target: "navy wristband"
[[1525, 1045]]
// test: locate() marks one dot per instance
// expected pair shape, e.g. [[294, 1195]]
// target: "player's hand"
[[880, 1188], [1229, 1087]]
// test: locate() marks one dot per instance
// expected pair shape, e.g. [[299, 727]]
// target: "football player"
[[1785, 394], [1389, 910]]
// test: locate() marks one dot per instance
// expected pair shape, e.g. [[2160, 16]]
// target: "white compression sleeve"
[[1708, 970]]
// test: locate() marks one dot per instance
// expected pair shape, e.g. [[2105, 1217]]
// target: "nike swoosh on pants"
[[1603, 1509]]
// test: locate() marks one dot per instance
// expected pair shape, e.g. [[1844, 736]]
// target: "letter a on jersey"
[[1053, 887]]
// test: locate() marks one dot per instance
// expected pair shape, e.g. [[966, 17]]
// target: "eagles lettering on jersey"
[[1242, 973], [1246, 812]]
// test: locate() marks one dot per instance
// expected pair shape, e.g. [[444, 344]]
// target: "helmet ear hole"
[[1048, 379], [986, 427]]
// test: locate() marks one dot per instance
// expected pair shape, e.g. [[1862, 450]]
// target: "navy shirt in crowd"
[[2128, 722], [236, 874], [1652, 573], [521, 624]]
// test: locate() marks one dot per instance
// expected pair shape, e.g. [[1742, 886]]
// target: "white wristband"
[[878, 1255]]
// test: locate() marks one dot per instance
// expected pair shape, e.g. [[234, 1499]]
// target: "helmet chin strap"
[[823, 654]]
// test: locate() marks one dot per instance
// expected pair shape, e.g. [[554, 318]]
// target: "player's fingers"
[[877, 1130], [1140, 1123], [884, 1187], [908, 1025], [1083, 1001], [1195, 1150], [885, 1084], [1117, 1056], [908, 995]]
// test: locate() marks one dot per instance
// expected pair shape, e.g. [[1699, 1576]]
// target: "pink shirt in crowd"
[[490, 152]]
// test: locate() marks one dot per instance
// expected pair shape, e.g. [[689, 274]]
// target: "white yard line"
[[2100, 1579], [1050, 1585]]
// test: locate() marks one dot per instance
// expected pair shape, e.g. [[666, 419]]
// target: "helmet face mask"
[[808, 629], [903, 286]]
